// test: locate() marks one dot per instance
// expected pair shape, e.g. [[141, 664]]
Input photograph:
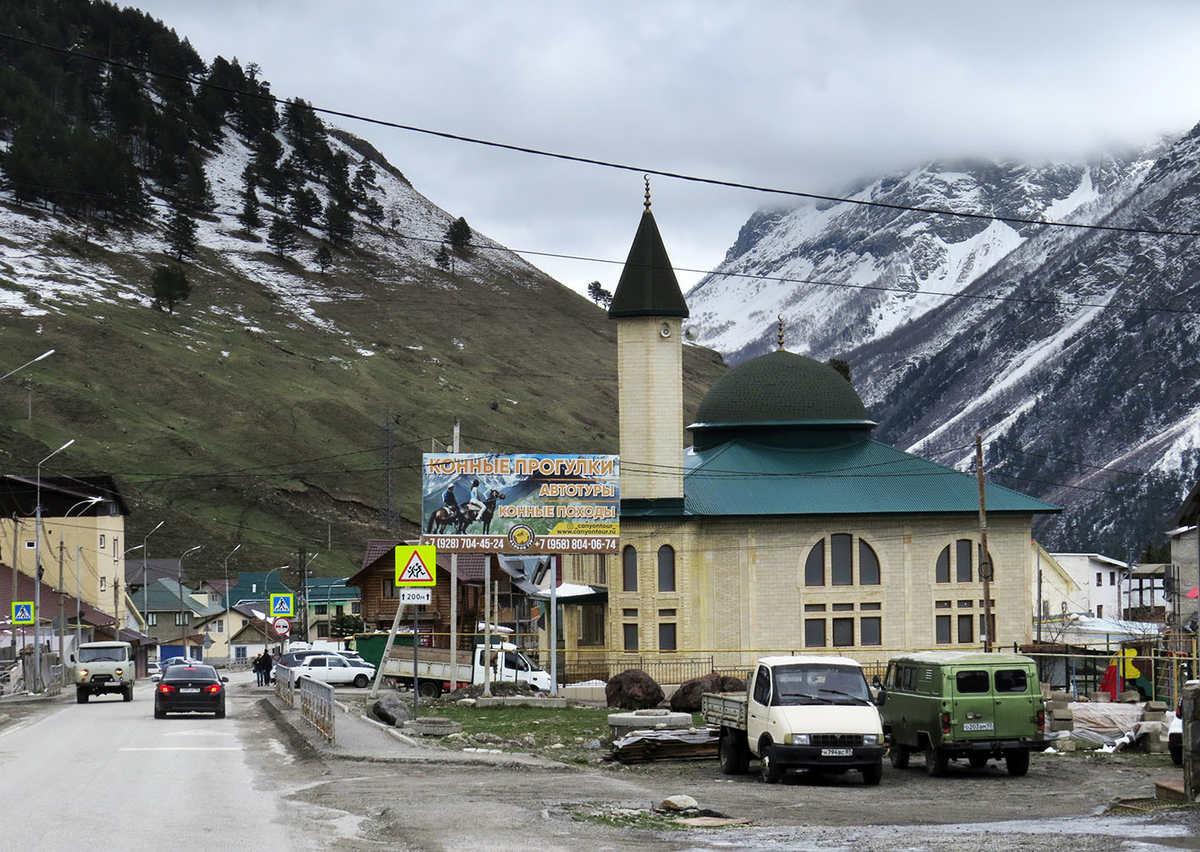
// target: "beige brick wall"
[[740, 584], [650, 387]]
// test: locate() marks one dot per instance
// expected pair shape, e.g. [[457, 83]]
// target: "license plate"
[[190, 689], [837, 752], [979, 726]]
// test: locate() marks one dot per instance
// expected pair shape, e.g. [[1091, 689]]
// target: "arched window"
[[814, 567], [629, 568], [666, 568], [844, 565], [957, 562]]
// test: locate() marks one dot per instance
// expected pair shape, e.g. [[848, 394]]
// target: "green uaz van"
[[962, 705]]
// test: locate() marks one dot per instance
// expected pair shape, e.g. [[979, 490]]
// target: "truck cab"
[[953, 705], [102, 667], [509, 664]]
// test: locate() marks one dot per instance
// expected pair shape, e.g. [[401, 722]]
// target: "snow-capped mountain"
[[1072, 351]]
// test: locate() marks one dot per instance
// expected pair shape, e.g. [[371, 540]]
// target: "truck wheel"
[[127, 693], [872, 774], [361, 680], [1017, 761], [899, 756], [771, 771], [81, 696], [936, 762], [734, 756], [427, 689]]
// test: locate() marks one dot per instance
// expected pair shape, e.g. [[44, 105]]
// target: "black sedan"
[[190, 689]]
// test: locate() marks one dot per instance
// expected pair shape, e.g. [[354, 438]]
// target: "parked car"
[[292, 657], [354, 659], [152, 669], [951, 704], [333, 669], [190, 689]]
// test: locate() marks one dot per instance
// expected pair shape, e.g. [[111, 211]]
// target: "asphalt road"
[[107, 774]]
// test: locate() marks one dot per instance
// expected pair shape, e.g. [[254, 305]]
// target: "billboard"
[[521, 503]]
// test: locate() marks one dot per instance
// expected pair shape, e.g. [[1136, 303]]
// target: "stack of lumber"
[[667, 744]]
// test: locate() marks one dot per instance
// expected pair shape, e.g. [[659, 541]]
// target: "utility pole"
[[304, 593], [985, 559], [62, 607], [16, 535], [1039, 593], [454, 597]]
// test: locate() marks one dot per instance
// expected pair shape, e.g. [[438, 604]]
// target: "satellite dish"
[[689, 333]]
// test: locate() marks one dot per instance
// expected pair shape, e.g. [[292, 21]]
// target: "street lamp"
[[78, 550], [182, 615], [37, 572], [62, 604], [145, 585], [267, 593], [304, 596], [23, 366], [228, 618]]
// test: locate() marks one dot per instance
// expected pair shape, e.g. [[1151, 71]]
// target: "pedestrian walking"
[[267, 665], [258, 669]]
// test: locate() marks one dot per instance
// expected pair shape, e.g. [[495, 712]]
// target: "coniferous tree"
[[323, 257], [338, 224], [599, 295], [442, 258], [459, 234], [306, 207], [373, 210], [843, 367], [181, 234], [169, 286], [281, 237], [249, 217]]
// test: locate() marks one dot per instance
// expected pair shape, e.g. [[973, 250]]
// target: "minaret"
[[649, 309]]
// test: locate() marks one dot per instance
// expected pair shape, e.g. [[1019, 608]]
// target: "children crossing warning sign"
[[416, 566]]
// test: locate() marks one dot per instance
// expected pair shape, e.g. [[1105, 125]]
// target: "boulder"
[[687, 698], [732, 684], [391, 709], [679, 803], [633, 689]]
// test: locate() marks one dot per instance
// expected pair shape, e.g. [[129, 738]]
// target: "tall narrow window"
[[965, 630], [868, 565], [814, 633], [814, 567], [843, 632], [629, 569], [629, 633], [841, 564], [666, 568], [871, 631], [942, 630], [963, 560], [666, 636], [942, 572]]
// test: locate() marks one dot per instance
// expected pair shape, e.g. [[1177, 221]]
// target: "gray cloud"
[[800, 95]]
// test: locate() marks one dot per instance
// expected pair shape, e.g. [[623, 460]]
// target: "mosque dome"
[[781, 398]]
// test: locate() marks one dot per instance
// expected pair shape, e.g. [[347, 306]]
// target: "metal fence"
[[285, 685], [317, 706]]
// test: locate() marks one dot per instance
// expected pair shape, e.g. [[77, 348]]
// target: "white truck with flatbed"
[[804, 712], [438, 669]]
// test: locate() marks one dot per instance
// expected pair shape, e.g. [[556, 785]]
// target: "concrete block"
[[1155, 747], [1062, 714], [1064, 745], [1100, 697], [1052, 706], [1129, 696], [1157, 707], [1154, 717], [1058, 695], [1062, 724]]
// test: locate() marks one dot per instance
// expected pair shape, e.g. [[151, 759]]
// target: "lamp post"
[[183, 613], [62, 604], [304, 596], [37, 572], [228, 621], [26, 364], [145, 624], [145, 585], [267, 599]]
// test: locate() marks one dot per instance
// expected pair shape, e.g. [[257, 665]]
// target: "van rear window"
[[1011, 680], [971, 682]]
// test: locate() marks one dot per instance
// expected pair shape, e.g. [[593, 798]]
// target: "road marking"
[[181, 748]]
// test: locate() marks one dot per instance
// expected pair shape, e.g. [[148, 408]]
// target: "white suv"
[[333, 669]]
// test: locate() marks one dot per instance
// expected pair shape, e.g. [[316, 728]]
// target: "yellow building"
[[785, 526]]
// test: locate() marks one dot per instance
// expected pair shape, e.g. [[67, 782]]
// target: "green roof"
[[648, 287], [861, 478]]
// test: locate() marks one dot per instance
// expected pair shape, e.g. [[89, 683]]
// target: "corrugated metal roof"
[[865, 477]]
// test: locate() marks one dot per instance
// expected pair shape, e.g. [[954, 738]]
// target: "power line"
[[592, 161]]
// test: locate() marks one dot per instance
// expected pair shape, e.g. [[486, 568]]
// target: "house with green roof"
[[786, 526]]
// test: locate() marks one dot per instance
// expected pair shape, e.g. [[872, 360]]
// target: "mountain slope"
[[1071, 351]]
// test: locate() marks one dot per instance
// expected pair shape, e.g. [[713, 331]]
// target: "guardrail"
[[317, 706], [285, 685]]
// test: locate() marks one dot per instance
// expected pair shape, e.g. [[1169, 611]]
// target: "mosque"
[[784, 526]]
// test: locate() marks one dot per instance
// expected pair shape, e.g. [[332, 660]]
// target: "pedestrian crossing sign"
[[282, 605], [416, 566], [22, 612]]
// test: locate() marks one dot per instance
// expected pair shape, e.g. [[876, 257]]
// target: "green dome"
[[782, 398]]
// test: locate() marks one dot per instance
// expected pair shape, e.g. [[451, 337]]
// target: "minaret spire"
[[646, 204], [781, 332]]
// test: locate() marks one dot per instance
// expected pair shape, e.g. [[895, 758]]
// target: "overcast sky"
[[799, 95]]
